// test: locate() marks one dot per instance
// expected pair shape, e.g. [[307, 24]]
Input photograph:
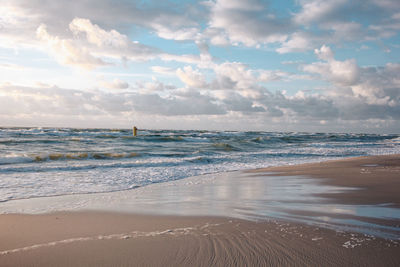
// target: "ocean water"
[[37, 162]]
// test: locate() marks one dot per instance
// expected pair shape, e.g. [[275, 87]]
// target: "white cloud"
[[340, 72], [169, 24], [52, 105], [216, 36], [97, 35], [92, 46], [339, 21], [111, 43], [69, 52], [297, 42], [12, 66], [316, 10], [345, 31], [96, 45], [30, 101], [187, 33], [29, 14], [188, 59], [324, 53], [379, 86], [329, 32], [248, 5], [387, 4], [238, 76], [16, 27], [163, 70], [152, 87], [245, 22], [273, 75], [234, 75], [115, 84], [368, 88], [191, 77]]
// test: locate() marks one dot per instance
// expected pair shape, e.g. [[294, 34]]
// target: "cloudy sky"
[[302, 65]]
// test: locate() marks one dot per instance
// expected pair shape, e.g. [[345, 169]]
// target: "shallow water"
[[38, 162], [233, 194]]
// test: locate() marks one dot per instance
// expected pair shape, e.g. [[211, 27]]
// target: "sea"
[[42, 162]]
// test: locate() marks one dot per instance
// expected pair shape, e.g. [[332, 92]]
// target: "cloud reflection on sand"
[[233, 194]]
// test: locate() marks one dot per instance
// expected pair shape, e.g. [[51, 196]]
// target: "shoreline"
[[277, 170], [377, 177], [118, 238]]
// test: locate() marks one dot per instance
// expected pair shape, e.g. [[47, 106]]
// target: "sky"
[[246, 65]]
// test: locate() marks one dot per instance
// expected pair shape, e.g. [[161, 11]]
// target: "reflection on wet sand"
[[235, 194], [260, 197]]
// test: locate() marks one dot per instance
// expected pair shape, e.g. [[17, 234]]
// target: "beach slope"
[[118, 239]]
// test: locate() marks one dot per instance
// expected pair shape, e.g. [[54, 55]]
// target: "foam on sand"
[[251, 196]]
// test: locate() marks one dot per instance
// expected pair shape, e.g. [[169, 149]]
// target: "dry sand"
[[115, 239]]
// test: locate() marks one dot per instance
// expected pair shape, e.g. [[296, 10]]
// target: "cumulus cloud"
[[245, 22], [182, 105], [232, 75], [153, 86], [376, 96], [317, 10], [164, 31], [115, 84], [239, 77], [156, 16], [297, 42], [379, 85], [341, 21], [111, 43], [16, 27], [91, 46], [88, 51], [368, 87], [191, 77], [249, 23], [340, 72], [68, 51], [324, 53], [274, 75], [67, 102], [95, 33], [252, 24], [345, 31], [239, 103], [216, 37]]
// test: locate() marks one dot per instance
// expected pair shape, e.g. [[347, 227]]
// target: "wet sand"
[[118, 239], [377, 177], [107, 239]]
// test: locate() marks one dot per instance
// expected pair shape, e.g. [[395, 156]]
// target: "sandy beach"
[[199, 133], [88, 238], [378, 177]]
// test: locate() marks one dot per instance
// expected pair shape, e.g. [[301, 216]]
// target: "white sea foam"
[[38, 162], [245, 196], [120, 236]]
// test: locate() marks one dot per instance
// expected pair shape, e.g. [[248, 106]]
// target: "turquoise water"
[[36, 162]]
